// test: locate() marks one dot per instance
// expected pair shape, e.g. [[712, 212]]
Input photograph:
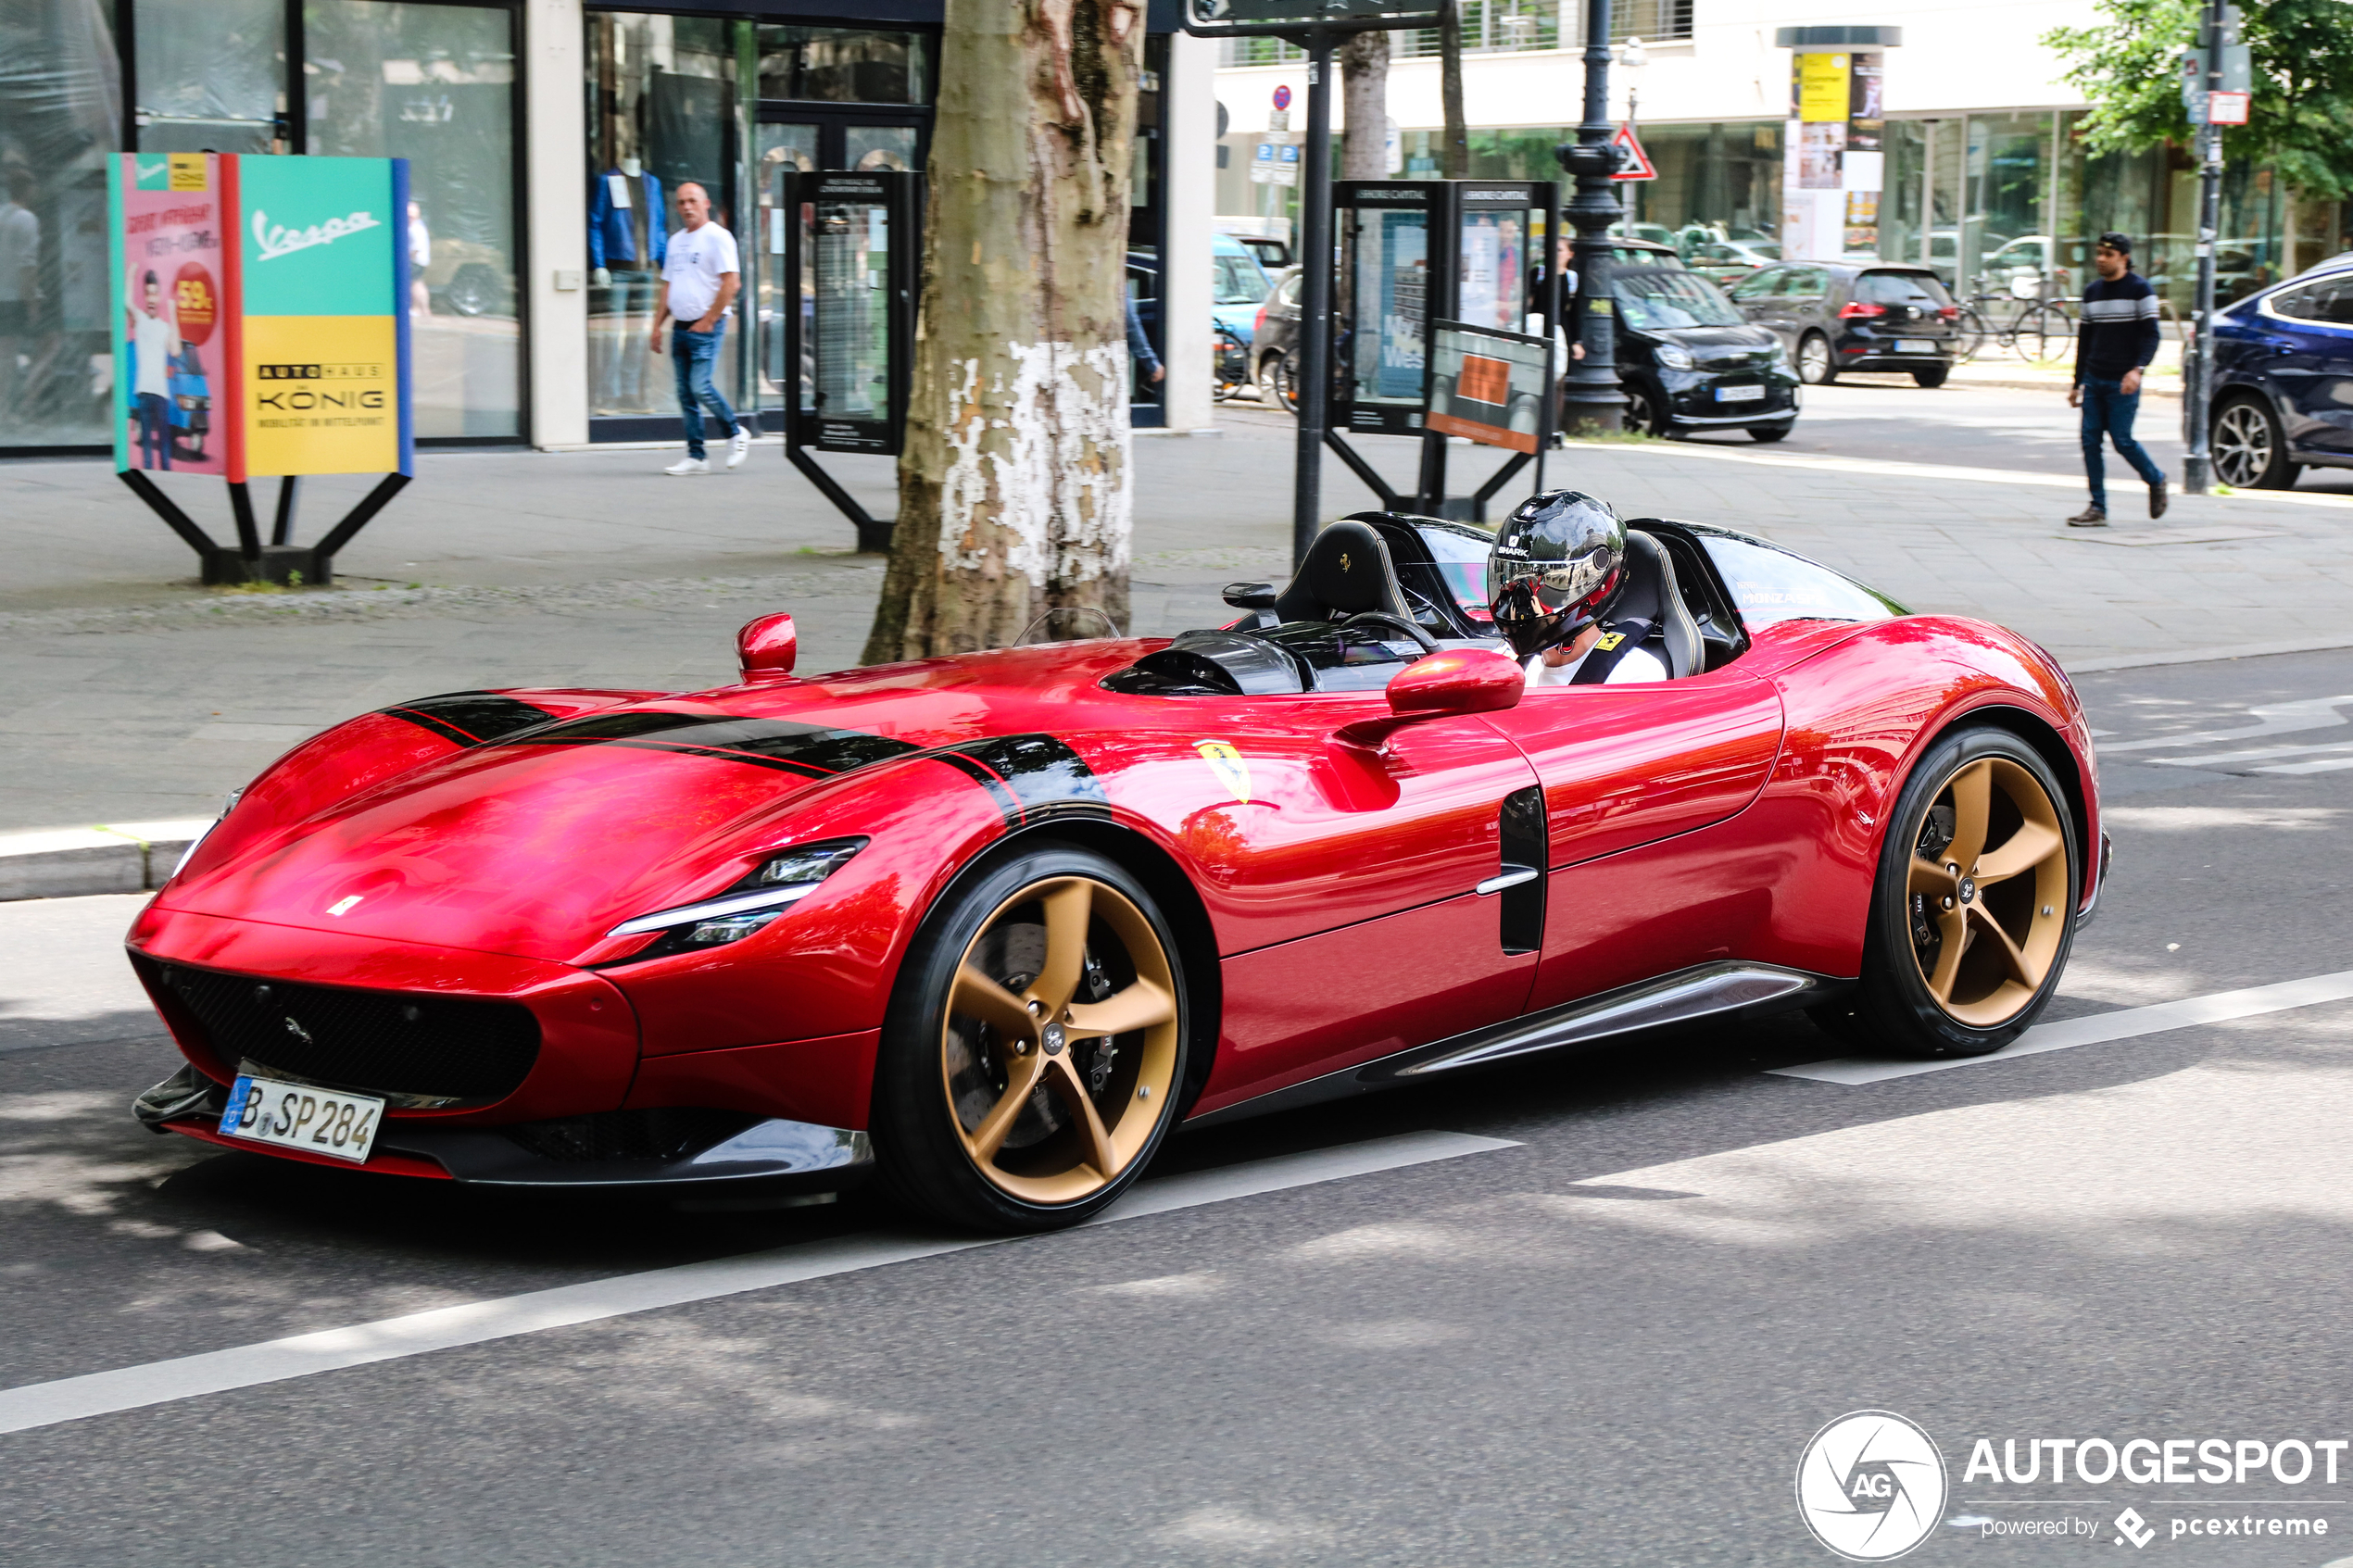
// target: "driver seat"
[[1346, 572], [1653, 595]]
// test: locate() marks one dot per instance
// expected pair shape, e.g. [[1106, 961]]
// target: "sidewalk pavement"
[[500, 569]]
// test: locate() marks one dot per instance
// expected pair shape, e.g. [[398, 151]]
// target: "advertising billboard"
[[1488, 385], [259, 319], [174, 339]]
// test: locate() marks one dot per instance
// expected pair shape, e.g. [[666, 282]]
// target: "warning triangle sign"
[[1632, 162]]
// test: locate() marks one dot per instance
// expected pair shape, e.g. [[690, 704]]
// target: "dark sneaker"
[[2089, 517], [2157, 500]]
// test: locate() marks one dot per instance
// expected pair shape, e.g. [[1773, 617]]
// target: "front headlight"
[[206, 831], [780, 881], [1674, 358]]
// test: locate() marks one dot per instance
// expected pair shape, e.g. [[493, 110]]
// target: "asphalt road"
[[1606, 1342]]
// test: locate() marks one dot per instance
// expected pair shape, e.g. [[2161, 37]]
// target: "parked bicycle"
[[2042, 330], [1230, 363]]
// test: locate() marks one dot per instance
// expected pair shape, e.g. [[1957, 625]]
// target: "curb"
[[75, 863]]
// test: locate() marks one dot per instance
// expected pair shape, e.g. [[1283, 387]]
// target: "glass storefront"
[[663, 110], [211, 78], [61, 117], [667, 95], [1974, 196], [436, 85]]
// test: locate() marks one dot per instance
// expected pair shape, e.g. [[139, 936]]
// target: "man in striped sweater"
[[2115, 344]]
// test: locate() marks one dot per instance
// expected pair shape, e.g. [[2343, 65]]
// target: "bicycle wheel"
[[2045, 335], [1968, 335]]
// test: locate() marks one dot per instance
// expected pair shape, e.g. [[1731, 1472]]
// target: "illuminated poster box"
[[260, 315], [1489, 385]]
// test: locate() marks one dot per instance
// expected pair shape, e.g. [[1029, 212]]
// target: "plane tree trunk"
[[1364, 84], [1013, 484]]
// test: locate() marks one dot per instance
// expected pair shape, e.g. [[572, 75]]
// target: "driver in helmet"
[[1557, 571]]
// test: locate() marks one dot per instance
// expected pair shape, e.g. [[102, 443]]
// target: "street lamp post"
[[1591, 401], [2197, 462]]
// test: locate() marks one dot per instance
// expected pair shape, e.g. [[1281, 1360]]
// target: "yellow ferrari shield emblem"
[[1608, 640], [1228, 764]]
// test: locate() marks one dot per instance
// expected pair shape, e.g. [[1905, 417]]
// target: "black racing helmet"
[[1558, 565]]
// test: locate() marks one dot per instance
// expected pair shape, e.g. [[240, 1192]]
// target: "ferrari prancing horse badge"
[[1232, 771]]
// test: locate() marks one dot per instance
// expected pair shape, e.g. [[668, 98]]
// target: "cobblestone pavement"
[[511, 568]]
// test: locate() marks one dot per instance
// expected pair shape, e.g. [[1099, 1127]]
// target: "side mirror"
[[1456, 681], [766, 648], [1452, 681], [1250, 596]]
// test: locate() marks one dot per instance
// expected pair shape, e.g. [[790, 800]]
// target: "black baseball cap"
[[2120, 243]]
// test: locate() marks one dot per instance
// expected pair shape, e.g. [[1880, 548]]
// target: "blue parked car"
[[2284, 380]]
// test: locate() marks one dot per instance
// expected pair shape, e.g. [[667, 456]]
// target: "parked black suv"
[[1835, 316]]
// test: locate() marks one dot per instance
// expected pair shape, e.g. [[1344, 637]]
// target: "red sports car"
[[990, 926]]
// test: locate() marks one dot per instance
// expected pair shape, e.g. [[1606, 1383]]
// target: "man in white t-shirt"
[[20, 274], [155, 338], [701, 276]]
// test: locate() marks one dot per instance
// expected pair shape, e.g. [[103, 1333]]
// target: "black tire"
[[943, 1080], [1894, 1006], [2045, 335], [1283, 381], [1816, 366], [1645, 413], [1767, 434], [476, 291], [2250, 450], [1968, 335], [1932, 378]]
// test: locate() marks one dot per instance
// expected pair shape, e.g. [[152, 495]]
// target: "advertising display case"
[[1415, 251], [851, 260]]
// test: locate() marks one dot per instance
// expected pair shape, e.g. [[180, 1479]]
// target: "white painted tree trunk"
[[1013, 486]]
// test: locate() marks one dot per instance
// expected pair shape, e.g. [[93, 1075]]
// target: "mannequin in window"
[[627, 241]]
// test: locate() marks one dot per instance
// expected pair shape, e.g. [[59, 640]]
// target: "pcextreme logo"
[[1871, 1485]]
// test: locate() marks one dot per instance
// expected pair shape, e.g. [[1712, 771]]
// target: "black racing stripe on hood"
[[1032, 778], [469, 718], [810, 750]]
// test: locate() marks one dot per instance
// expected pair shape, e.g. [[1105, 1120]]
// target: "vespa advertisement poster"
[[259, 307], [172, 340]]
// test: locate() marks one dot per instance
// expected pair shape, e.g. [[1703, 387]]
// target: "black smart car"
[[1838, 316], [1689, 362]]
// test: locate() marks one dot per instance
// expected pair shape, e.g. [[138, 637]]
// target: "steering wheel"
[[1394, 623]]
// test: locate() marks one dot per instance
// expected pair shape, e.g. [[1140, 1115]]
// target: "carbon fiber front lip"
[[796, 1155]]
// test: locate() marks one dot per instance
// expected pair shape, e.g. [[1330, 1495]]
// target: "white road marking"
[[2125, 1023], [2272, 718], [218, 1372]]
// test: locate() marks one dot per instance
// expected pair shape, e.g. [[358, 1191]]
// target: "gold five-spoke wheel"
[[1989, 892], [1059, 1050]]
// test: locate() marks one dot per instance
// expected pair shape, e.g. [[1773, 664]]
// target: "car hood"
[[537, 844], [1707, 343]]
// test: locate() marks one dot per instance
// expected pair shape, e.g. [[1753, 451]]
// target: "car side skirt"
[[1750, 990]]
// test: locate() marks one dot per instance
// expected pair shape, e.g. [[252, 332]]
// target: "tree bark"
[[1455, 153], [1013, 482], [1364, 77]]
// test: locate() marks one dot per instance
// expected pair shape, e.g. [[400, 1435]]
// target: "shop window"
[[436, 85], [211, 78], [839, 65], [60, 115], [661, 112]]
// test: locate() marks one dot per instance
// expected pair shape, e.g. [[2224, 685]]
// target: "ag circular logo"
[[1871, 1485]]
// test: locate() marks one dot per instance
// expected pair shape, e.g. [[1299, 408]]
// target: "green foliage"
[[2300, 124]]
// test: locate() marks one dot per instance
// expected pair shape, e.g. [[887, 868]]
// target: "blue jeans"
[[155, 431], [2108, 411], [691, 354]]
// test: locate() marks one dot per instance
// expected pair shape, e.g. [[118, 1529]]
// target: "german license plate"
[[328, 1121], [1914, 345], [1739, 394]]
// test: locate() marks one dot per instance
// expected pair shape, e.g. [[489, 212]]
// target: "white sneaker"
[[739, 447], [687, 467]]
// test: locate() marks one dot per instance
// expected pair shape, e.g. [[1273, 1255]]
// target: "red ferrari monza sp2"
[[991, 926]]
